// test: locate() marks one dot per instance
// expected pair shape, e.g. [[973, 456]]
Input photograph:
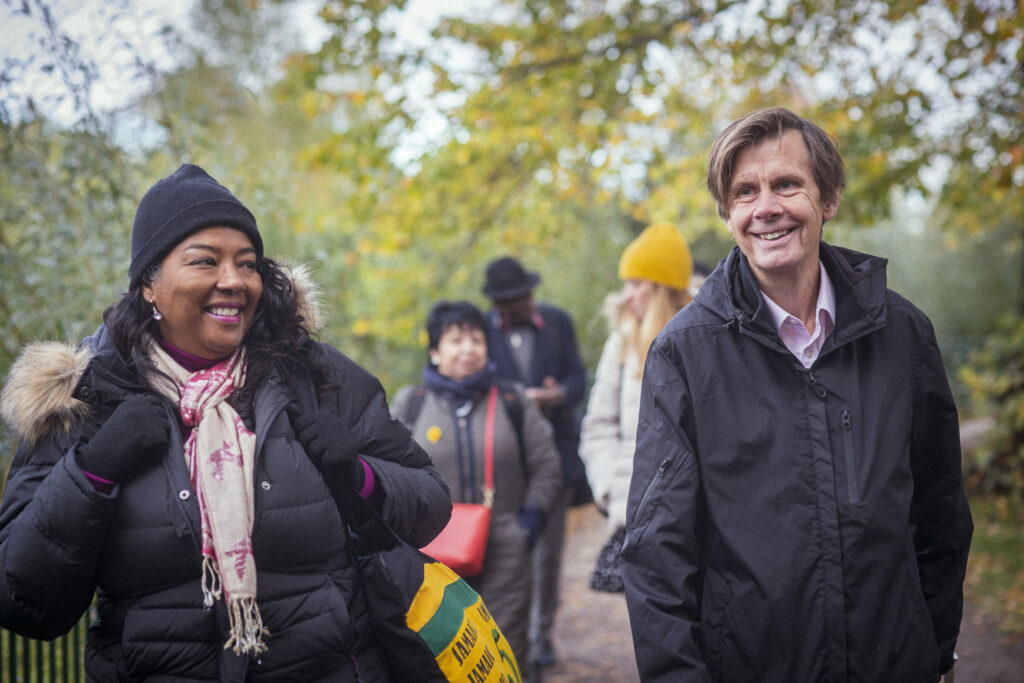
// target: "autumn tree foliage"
[[397, 157], [562, 128]]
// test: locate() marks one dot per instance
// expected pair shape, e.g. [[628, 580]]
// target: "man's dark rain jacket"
[[796, 525]]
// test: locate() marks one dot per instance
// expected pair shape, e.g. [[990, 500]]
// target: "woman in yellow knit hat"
[[655, 270]]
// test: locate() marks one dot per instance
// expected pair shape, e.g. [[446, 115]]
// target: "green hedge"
[[994, 377]]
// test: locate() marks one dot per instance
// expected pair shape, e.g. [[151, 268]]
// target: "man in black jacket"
[[796, 511], [535, 343]]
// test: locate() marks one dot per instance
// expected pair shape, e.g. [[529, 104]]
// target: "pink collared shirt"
[[802, 344]]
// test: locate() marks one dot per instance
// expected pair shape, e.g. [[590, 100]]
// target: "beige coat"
[[608, 436]]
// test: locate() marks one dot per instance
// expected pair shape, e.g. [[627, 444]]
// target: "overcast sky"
[[102, 28]]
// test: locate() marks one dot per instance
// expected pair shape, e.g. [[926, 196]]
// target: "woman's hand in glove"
[[532, 520], [330, 445], [132, 439]]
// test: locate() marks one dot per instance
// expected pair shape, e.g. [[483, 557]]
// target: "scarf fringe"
[[246, 627], [244, 616], [211, 582]]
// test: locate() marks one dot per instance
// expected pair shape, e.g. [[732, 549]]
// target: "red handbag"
[[462, 543]]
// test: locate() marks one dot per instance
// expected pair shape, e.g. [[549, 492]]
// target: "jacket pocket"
[[916, 633], [648, 503], [170, 639], [311, 629]]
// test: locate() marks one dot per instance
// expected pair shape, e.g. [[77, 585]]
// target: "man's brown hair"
[[766, 124]]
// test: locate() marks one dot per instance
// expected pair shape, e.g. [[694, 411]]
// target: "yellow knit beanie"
[[660, 255]]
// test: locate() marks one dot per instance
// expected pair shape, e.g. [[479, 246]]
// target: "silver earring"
[[156, 314]]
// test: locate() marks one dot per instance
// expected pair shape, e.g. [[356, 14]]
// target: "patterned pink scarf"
[[220, 452]]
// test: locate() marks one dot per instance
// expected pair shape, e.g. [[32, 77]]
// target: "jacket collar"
[[108, 378], [860, 284], [732, 293]]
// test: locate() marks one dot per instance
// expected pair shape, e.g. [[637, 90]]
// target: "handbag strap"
[[492, 409]]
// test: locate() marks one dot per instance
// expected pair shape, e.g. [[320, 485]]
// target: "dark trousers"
[[547, 572]]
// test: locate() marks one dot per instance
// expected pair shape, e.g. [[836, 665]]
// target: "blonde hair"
[[638, 334]]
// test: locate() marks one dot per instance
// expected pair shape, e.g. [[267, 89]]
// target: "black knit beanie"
[[184, 202]]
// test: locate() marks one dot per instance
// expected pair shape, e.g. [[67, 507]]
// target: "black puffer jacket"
[[139, 548], [789, 524]]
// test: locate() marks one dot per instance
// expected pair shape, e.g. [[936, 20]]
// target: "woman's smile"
[[228, 314], [207, 290], [461, 352]]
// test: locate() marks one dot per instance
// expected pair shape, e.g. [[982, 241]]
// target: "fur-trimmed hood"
[[38, 396]]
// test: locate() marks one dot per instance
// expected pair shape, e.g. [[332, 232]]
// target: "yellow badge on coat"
[[433, 434]]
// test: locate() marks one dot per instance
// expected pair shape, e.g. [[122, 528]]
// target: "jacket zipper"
[[466, 460], [817, 388], [655, 480], [463, 461], [852, 488]]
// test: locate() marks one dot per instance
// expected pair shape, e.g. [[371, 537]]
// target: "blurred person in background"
[[701, 271], [169, 467], [535, 343], [447, 416], [655, 271]]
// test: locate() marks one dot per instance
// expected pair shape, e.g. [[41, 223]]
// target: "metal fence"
[[23, 660]]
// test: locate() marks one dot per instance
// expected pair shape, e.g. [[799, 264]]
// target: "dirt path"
[[594, 646], [592, 636], [985, 657]]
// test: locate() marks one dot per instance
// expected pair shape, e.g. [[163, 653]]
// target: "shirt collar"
[[536, 320], [826, 303]]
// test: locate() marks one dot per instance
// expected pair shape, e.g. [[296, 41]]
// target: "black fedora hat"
[[507, 280]]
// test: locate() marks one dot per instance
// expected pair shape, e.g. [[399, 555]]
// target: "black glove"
[[532, 520], [132, 439], [331, 447]]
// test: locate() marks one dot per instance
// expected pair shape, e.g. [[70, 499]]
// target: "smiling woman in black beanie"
[[182, 466]]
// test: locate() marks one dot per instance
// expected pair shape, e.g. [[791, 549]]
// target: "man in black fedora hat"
[[535, 343]]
